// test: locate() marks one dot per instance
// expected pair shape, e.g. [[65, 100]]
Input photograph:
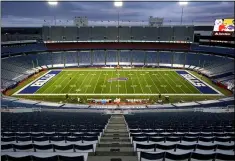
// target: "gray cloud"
[[34, 13]]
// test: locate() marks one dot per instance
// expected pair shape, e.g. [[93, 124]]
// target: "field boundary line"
[[31, 83], [205, 83], [115, 94], [75, 70]]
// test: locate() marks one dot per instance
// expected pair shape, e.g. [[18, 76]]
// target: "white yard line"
[[118, 94], [167, 83], [66, 83], [125, 81], [147, 83], [60, 77], [110, 87], [174, 82], [97, 82], [160, 82], [118, 80], [132, 82], [183, 82], [30, 83], [104, 82], [153, 82], [75, 82], [89, 82], [82, 82], [139, 83]]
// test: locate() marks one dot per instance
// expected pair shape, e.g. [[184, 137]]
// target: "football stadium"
[[101, 87]]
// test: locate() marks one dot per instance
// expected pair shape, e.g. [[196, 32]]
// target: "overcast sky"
[[34, 13]]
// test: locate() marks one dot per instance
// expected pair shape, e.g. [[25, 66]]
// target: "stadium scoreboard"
[[223, 27]]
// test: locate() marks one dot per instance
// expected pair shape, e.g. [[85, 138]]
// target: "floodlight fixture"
[[183, 3], [52, 2], [118, 3]]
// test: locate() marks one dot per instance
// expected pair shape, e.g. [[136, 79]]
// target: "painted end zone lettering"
[[37, 84], [201, 86]]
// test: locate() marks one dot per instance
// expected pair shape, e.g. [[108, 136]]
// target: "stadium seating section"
[[154, 136], [50, 135], [182, 135]]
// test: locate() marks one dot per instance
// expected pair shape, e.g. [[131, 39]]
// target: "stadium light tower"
[[183, 4], [118, 4], [53, 3]]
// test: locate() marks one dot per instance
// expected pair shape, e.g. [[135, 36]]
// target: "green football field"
[[117, 82]]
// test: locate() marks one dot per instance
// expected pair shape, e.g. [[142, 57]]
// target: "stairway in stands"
[[115, 144]]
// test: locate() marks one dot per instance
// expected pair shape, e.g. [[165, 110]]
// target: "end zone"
[[38, 83], [202, 86]]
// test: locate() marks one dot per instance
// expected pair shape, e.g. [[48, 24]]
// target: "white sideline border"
[[219, 93], [17, 92], [117, 94], [111, 70]]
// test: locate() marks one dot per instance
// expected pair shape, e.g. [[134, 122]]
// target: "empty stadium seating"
[[114, 33], [182, 135], [61, 136]]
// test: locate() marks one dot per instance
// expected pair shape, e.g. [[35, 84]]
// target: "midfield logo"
[[118, 79]]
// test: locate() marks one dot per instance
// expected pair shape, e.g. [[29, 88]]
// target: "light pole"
[[182, 3], [53, 3], [118, 4]]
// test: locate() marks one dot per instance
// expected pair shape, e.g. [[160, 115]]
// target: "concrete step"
[[116, 130], [117, 123], [115, 134], [114, 158], [114, 140], [115, 137], [116, 127], [108, 153], [114, 149], [114, 144]]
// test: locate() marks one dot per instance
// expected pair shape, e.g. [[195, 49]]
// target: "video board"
[[223, 27]]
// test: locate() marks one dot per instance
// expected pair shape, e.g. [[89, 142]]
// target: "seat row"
[[162, 156], [18, 130], [42, 139], [186, 139], [193, 147], [36, 158], [183, 134], [185, 130], [48, 147], [49, 134]]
